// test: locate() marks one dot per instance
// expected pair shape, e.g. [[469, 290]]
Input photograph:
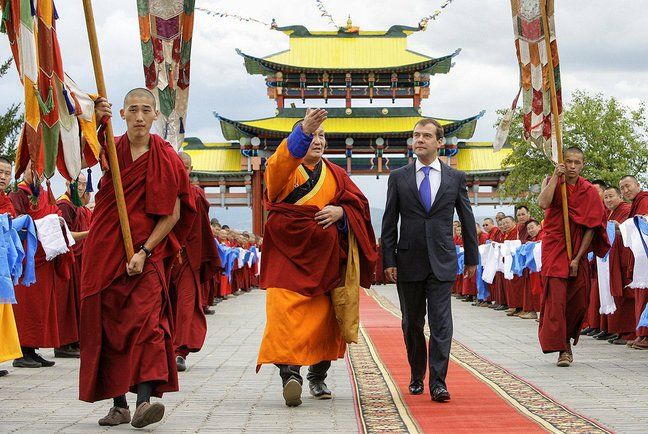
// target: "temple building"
[[356, 66]]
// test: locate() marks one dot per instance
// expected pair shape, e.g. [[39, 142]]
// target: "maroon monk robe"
[[37, 315], [6, 207], [639, 207], [496, 289], [527, 296], [565, 298], [126, 321], [535, 284], [470, 285], [194, 266], [457, 286], [290, 262], [67, 290], [514, 288], [622, 321]]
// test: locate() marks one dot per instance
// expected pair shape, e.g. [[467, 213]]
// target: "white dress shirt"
[[435, 177]]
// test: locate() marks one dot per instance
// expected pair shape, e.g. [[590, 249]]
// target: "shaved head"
[[575, 150], [630, 187], [186, 160], [140, 92]]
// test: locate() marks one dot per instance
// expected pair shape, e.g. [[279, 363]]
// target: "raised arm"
[[549, 187]]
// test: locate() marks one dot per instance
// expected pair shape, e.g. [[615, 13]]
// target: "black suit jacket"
[[426, 238]]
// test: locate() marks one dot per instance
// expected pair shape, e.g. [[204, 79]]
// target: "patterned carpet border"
[[524, 396], [379, 405]]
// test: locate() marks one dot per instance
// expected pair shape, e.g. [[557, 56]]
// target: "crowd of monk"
[[522, 297]]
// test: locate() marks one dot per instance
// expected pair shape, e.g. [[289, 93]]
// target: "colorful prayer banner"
[[166, 28], [535, 64], [54, 106]]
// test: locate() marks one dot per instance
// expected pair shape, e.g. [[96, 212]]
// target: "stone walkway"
[[221, 393], [607, 383]]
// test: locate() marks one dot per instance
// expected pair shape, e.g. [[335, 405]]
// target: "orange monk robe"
[[37, 315], [565, 298], [622, 321], [514, 288], [639, 207], [300, 330]]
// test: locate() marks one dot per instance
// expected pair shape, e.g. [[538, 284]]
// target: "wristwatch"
[[147, 251]]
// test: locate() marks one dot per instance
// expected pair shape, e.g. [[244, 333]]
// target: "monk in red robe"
[[469, 287], [534, 230], [9, 344], [317, 216], [126, 319], [632, 192], [68, 289], [566, 282], [495, 289], [457, 287], [523, 216], [513, 288], [622, 322], [195, 265], [37, 312]]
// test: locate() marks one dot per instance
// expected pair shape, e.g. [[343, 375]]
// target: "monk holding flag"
[[195, 265], [566, 282], [126, 335], [317, 217]]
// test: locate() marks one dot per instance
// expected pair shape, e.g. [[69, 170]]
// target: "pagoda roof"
[[362, 122], [361, 51], [479, 157], [213, 157]]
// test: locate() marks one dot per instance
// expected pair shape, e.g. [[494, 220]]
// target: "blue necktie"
[[424, 189]]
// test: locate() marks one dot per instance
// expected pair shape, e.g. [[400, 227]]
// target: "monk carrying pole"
[[110, 137], [556, 124]]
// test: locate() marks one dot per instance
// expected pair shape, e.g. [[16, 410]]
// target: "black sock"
[[120, 402], [27, 351], [144, 391]]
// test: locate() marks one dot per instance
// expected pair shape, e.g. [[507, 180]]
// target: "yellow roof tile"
[[480, 157], [214, 159], [345, 125], [347, 53]]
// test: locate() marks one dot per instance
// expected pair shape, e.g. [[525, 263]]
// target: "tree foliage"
[[613, 137], [10, 123]]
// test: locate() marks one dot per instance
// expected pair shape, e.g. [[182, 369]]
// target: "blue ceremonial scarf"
[[227, 257], [643, 320], [642, 227], [611, 233], [482, 287], [460, 260], [7, 295], [524, 259], [24, 227]]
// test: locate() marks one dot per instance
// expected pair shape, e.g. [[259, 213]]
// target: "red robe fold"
[[6, 207], [532, 297], [622, 321], [37, 311], [496, 289], [565, 298], [457, 286], [639, 207], [196, 266], [126, 325], [290, 260]]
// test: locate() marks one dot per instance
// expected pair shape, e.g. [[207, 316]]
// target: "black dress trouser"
[[316, 373], [414, 297]]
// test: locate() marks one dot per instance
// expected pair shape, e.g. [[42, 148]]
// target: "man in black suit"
[[423, 260]]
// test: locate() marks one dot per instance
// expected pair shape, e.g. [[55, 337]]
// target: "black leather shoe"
[[67, 352], [440, 394], [416, 387], [320, 391], [594, 332], [26, 362], [603, 336], [4, 373], [181, 364], [501, 307], [612, 337], [586, 331], [292, 392], [45, 363], [208, 311]]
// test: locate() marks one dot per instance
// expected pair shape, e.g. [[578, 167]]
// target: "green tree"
[[613, 137], [10, 122]]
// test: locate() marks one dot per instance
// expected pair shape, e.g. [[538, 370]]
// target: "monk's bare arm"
[[548, 188], [78, 236], [163, 227]]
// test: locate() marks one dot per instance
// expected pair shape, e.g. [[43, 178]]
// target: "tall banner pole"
[[556, 123], [110, 137]]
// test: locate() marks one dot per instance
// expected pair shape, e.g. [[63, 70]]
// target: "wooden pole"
[[556, 123], [110, 136]]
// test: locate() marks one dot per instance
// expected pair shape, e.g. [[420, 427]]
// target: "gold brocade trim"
[[318, 186], [525, 397]]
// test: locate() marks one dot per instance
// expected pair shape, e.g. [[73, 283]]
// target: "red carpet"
[[475, 407]]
